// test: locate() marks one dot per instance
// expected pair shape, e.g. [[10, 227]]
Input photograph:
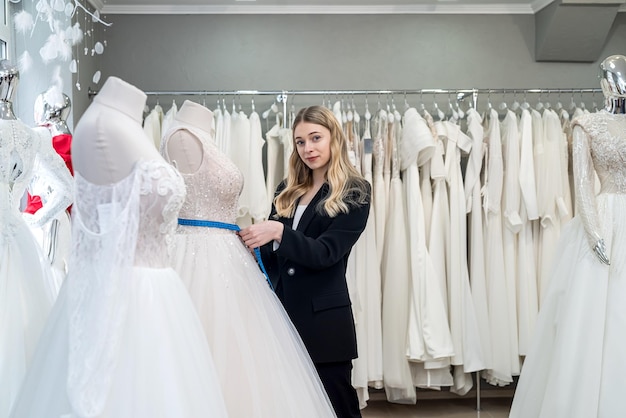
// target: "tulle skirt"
[[264, 368], [25, 302], [164, 367], [576, 364]]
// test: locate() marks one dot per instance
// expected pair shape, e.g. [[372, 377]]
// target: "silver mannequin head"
[[613, 82], [9, 79], [51, 106]]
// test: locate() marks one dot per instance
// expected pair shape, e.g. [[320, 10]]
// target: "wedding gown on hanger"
[[264, 368], [26, 279], [123, 339], [576, 364]]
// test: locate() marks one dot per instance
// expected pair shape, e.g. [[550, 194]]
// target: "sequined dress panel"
[[212, 192]]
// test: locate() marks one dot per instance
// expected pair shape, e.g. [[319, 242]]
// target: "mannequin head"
[[613, 83], [51, 109], [9, 78]]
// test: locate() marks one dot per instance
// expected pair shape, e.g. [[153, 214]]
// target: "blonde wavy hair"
[[347, 187]]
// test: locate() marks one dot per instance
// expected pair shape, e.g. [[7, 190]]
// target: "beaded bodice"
[[212, 191], [607, 142]]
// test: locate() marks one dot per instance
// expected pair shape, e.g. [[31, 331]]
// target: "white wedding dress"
[[576, 364], [26, 280], [123, 339], [263, 366]]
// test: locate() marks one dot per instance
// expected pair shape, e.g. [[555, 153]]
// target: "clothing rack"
[[282, 96]]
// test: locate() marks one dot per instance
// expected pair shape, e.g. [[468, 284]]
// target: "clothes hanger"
[[559, 105], [539, 104], [525, 104], [273, 108], [515, 106], [547, 103]]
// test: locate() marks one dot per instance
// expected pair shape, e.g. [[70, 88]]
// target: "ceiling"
[[321, 6]]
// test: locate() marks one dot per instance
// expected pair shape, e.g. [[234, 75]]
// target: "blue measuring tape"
[[231, 227]]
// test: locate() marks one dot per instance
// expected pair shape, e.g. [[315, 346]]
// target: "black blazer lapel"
[[310, 211]]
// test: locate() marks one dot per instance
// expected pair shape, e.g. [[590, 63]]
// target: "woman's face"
[[313, 145]]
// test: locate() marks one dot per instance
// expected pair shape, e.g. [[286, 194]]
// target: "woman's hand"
[[260, 234]]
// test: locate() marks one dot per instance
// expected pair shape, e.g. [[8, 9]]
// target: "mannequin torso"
[[109, 139], [184, 148]]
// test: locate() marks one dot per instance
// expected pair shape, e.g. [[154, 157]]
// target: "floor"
[[497, 407]]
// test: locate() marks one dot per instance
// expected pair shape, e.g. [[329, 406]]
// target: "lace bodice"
[[161, 194], [212, 191], [25, 153], [599, 146], [607, 135]]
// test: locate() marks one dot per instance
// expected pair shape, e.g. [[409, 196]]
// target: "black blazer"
[[308, 271]]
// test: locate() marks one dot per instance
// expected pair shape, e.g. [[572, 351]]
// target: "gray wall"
[[326, 52]]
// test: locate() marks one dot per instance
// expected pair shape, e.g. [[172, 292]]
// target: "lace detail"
[[24, 153], [123, 223], [158, 181], [599, 145], [213, 190], [608, 148]]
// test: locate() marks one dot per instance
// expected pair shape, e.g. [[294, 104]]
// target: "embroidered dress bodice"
[[212, 191], [24, 154], [161, 194], [608, 149]]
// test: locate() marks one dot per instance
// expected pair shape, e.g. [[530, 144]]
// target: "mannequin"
[[575, 365], [109, 139], [613, 83], [51, 111], [26, 280], [183, 147], [123, 338], [10, 78]]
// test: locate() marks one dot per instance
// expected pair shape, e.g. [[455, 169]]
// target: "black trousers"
[[336, 378]]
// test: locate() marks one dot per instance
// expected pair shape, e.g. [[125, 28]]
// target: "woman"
[[256, 349], [318, 214]]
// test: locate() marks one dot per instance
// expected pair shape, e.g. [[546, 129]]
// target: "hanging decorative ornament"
[[99, 48], [24, 62], [73, 67], [96, 77], [93, 52], [95, 17], [77, 86], [49, 51], [41, 6], [73, 34], [69, 10], [86, 50], [59, 5], [23, 21]]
